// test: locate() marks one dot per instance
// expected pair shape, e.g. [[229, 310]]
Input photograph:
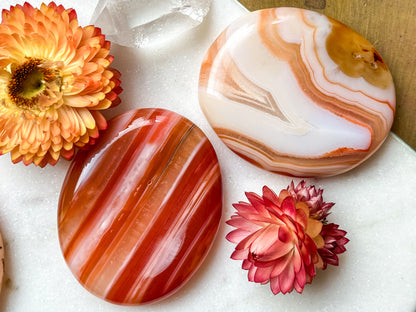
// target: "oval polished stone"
[[139, 212], [296, 92], [1, 262]]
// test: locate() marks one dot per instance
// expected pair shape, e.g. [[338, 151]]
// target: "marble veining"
[[296, 92], [139, 212]]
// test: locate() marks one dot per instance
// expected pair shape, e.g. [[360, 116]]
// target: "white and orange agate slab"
[[139, 212], [296, 92]]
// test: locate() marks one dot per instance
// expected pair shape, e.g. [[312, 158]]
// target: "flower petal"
[[243, 224], [263, 274], [239, 254], [288, 207], [314, 227], [74, 62], [286, 279], [237, 236]]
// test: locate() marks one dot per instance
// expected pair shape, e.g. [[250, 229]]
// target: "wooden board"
[[390, 25]]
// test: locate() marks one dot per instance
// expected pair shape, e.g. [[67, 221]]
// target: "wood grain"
[[390, 25]]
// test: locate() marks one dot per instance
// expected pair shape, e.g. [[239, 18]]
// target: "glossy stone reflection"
[[296, 92], [139, 212]]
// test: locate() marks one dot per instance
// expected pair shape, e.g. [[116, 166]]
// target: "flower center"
[[28, 81]]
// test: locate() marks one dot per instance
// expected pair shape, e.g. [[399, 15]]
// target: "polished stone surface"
[[1, 261], [296, 92], [139, 212]]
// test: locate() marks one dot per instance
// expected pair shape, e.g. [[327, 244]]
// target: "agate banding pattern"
[[296, 92], [139, 212]]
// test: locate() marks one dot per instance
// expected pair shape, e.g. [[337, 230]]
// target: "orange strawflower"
[[54, 80]]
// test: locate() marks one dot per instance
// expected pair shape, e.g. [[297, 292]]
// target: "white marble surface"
[[374, 203]]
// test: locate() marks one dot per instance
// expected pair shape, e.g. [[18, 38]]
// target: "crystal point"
[[138, 23]]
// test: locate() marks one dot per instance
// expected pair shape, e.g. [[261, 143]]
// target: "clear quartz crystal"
[[137, 23]]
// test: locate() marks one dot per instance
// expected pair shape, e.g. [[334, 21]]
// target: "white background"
[[374, 203]]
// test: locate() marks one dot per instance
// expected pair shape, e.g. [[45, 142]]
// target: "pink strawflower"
[[284, 239], [334, 244], [318, 209]]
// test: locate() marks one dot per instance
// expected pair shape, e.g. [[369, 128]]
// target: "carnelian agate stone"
[[139, 212], [296, 92]]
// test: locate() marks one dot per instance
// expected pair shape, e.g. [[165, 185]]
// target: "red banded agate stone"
[[296, 92], [139, 212]]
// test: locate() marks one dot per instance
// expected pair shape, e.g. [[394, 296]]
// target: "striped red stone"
[[139, 212]]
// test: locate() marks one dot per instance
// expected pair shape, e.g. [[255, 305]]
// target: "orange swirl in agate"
[[333, 74]]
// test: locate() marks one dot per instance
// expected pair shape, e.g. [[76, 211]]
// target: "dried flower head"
[[284, 239], [54, 79]]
